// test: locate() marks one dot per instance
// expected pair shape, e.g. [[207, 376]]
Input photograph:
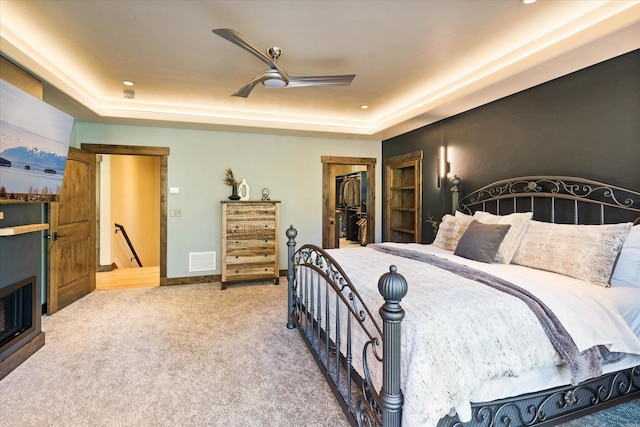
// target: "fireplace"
[[17, 312], [20, 332]]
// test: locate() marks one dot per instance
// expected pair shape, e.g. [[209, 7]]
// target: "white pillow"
[[450, 230], [586, 252], [627, 269], [518, 222]]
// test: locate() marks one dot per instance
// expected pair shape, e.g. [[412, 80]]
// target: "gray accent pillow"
[[519, 223], [586, 252], [480, 242]]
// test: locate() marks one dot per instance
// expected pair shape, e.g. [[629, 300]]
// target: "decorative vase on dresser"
[[234, 193], [250, 241]]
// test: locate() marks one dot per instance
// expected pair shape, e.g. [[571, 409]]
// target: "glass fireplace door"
[[17, 313]]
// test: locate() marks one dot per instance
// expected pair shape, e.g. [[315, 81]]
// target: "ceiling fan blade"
[[238, 39], [339, 80], [245, 90]]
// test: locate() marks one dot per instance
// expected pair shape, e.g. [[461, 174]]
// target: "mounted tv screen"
[[34, 143]]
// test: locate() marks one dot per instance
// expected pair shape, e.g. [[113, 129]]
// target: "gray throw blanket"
[[583, 365]]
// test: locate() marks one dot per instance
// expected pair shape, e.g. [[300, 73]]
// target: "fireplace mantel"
[[22, 229]]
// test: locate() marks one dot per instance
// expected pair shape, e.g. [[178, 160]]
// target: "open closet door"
[[72, 225]]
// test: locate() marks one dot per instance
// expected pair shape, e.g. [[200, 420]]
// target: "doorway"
[[162, 153], [330, 166]]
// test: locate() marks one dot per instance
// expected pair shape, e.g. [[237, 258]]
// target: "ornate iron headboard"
[[558, 199]]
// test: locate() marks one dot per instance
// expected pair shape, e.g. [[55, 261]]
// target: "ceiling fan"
[[275, 77]]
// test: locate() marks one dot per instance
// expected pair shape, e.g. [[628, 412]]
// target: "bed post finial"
[[455, 193], [291, 244], [393, 287]]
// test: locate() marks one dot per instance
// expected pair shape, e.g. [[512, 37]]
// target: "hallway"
[[126, 278]]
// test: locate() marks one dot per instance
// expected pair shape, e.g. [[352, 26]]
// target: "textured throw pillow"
[[480, 242], [459, 214], [450, 231], [627, 269], [518, 222], [586, 252]]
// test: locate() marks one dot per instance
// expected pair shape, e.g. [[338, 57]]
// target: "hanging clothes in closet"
[[362, 230], [350, 190]]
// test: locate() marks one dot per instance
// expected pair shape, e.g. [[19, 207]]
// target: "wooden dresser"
[[250, 241]]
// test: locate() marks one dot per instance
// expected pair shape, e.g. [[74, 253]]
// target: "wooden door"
[[72, 225], [329, 228]]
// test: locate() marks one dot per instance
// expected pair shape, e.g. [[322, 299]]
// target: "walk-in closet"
[[351, 206]]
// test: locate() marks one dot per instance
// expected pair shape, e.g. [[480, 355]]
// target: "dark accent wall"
[[21, 258], [585, 124], [20, 255]]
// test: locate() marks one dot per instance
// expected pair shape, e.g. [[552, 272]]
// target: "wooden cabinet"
[[250, 241], [403, 187]]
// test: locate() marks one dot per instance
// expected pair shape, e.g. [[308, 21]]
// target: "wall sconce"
[[443, 165]]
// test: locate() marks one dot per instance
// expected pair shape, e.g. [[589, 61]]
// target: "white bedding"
[[574, 301], [589, 313]]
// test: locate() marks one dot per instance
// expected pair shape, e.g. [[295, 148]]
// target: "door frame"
[[329, 196], [163, 154]]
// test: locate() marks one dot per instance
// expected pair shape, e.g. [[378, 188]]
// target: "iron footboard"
[[326, 309]]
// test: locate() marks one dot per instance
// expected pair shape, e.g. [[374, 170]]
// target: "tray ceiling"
[[416, 62]]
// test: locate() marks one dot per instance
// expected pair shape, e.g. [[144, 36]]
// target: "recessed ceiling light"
[[364, 107], [128, 83], [529, 1]]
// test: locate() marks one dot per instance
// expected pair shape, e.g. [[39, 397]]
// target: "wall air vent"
[[202, 261]]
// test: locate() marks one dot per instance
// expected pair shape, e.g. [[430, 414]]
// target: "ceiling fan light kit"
[[274, 83], [275, 77]]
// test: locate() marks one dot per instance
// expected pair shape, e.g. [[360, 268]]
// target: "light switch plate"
[[174, 190]]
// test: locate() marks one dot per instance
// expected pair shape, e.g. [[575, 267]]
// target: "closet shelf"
[[404, 230], [403, 187], [22, 229]]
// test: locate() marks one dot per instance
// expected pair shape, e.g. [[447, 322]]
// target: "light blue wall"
[[290, 166]]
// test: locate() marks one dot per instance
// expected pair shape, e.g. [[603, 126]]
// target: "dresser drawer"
[[250, 212], [250, 247], [250, 273], [250, 260], [251, 229]]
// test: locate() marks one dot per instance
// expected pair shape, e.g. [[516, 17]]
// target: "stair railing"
[[126, 238]]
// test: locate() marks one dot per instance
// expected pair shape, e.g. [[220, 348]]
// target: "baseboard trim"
[[190, 280], [103, 268]]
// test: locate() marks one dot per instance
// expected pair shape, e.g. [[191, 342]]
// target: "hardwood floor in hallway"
[[123, 278]]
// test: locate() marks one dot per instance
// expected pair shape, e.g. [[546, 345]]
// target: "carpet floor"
[[189, 355], [624, 415]]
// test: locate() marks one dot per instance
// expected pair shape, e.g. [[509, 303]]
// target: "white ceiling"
[[415, 62]]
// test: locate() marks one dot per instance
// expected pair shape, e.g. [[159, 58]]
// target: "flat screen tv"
[[34, 144]]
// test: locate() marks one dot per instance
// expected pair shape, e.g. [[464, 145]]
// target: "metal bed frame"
[[316, 280]]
